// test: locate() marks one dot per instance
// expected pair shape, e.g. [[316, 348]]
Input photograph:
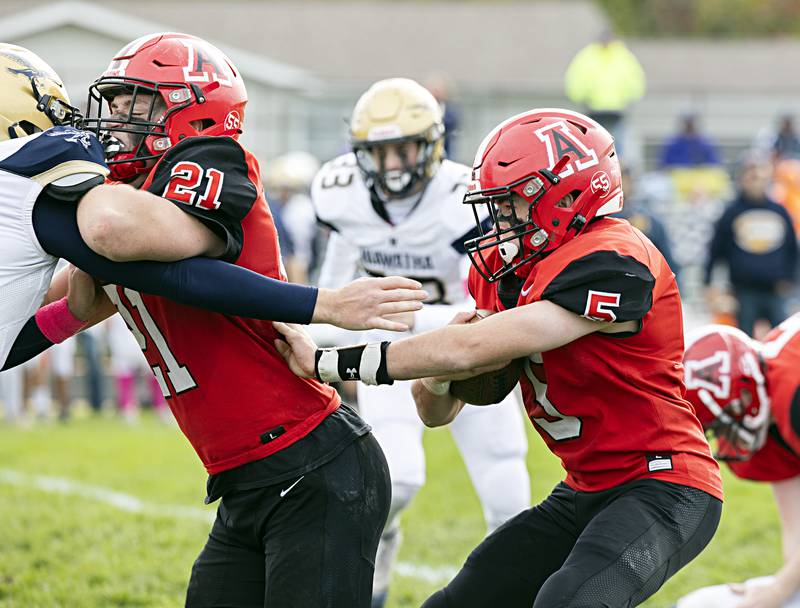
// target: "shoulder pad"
[[448, 188], [55, 154], [333, 186], [73, 187], [456, 172]]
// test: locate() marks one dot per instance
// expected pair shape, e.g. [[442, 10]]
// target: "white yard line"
[[429, 574], [132, 504], [112, 498]]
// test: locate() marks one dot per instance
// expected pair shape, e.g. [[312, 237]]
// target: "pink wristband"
[[57, 322]]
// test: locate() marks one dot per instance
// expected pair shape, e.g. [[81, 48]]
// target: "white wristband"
[[435, 387]]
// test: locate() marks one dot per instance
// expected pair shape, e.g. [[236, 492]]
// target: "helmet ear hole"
[[28, 127], [569, 200], [202, 125]]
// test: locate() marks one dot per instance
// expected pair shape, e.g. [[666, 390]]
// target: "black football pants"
[[586, 550], [304, 543]]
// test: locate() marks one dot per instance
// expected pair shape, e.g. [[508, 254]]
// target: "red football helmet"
[[725, 383], [562, 163], [191, 87]]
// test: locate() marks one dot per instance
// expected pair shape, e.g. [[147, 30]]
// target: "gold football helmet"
[[32, 96], [397, 111]]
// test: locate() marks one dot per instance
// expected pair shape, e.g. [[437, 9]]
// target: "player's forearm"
[[434, 410], [501, 337], [199, 282], [787, 579], [787, 499], [448, 350]]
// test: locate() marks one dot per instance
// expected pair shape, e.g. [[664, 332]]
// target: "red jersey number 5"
[[191, 185]]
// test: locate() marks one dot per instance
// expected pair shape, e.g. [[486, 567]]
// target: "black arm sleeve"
[[794, 413], [200, 282], [29, 343], [604, 273]]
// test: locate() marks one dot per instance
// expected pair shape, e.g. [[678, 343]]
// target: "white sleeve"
[[341, 263], [434, 316]]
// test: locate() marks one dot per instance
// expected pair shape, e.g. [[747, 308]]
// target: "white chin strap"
[[508, 251]]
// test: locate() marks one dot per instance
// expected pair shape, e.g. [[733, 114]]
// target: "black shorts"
[[578, 549], [307, 542]]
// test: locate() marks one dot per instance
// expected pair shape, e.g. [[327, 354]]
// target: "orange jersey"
[[611, 406], [232, 394], [779, 458]]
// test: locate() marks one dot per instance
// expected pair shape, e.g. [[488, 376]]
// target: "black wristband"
[[317, 357], [365, 362], [382, 375]]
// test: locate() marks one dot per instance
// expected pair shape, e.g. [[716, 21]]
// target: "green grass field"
[[99, 514]]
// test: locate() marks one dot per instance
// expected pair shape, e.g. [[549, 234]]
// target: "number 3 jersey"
[[61, 162], [611, 406], [779, 457], [420, 237], [232, 394]]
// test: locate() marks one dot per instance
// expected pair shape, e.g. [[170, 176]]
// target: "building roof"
[[511, 45], [500, 44], [31, 18]]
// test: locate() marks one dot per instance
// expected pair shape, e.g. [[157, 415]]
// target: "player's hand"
[[406, 318], [758, 596], [369, 303], [298, 349], [84, 294], [465, 318]]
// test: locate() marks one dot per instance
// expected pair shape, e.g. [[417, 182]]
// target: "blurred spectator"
[[636, 212], [286, 241], [36, 392], [604, 78], [441, 87], [87, 342], [288, 182], [786, 142], [11, 394], [128, 363], [62, 370], [688, 147], [756, 241]]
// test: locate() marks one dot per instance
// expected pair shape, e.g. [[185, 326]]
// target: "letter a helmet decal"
[[560, 142]]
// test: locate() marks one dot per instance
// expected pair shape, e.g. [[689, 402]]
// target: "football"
[[490, 387]]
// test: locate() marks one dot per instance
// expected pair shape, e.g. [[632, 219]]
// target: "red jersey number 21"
[[190, 184], [149, 335]]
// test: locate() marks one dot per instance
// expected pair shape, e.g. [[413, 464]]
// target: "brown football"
[[488, 388]]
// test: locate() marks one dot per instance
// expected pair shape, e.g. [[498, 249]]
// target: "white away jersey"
[[64, 158], [426, 245]]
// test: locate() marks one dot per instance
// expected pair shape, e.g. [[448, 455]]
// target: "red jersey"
[[231, 392], [611, 406], [779, 458]]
